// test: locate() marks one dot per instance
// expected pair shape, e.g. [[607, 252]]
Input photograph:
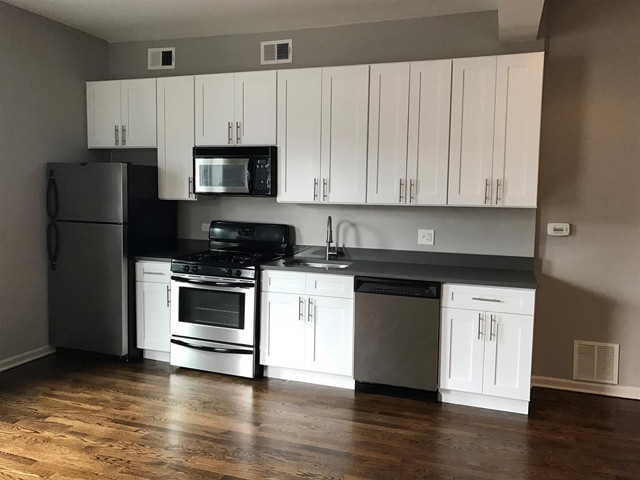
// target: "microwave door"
[[222, 175]]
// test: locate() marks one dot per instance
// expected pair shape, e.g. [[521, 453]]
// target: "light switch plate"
[[205, 227], [558, 229], [426, 237]]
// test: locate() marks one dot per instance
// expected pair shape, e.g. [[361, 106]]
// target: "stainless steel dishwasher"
[[397, 330]]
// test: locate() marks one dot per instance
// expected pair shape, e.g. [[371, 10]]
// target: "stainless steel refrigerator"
[[101, 215]]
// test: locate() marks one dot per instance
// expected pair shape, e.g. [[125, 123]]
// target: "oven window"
[[211, 308], [223, 175]]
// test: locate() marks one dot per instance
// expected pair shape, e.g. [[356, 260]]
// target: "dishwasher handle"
[[401, 288]]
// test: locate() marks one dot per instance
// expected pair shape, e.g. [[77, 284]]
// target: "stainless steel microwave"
[[235, 170]]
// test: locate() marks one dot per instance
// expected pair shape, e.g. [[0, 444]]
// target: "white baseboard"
[[326, 379], [25, 357], [620, 391], [484, 401], [156, 355]]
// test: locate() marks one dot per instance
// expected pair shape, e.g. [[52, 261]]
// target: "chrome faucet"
[[332, 252]]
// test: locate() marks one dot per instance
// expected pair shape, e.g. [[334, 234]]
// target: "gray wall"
[[505, 232], [42, 119], [590, 177]]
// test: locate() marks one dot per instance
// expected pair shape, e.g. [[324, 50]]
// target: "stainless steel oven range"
[[214, 300]]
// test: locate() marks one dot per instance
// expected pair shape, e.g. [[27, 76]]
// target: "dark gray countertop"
[[474, 269]]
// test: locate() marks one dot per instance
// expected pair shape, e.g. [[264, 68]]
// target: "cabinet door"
[[138, 104], [462, 350], [299, 128], [507, 358], [103, 114], [388, 123], [345, 110], [329, 342], [428, 149], [175, 138], [215, 109], [282, 334], [255, 109], [472, 113], [153, 319], [517, 129]]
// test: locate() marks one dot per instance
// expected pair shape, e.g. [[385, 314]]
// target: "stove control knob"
[[185, 268], [194, 269], [229, 272], [238, 273]]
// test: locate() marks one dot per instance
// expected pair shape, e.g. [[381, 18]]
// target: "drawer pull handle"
[[480, 299], [153, 273]]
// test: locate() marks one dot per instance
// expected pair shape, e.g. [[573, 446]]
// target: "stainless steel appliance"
[[101, 215], [396, 335], [235, 170], [214, 307]]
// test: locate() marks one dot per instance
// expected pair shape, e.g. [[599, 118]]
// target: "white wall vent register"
[[161, 58], [277, 51], [595, 362]]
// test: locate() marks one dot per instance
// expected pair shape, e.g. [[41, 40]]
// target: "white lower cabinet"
[[307, 337], [153, 306], [485, 356]]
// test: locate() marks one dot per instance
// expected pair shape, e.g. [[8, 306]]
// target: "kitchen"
[[373, 230]]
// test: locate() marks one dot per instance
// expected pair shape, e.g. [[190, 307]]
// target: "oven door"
[[218, 310], [222, 175]]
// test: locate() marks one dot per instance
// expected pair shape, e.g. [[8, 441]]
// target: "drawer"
[[283, 282], [324, 285], [490, 299], [153, 272]]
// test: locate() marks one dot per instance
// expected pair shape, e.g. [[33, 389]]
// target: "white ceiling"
[[127, 20], [130, 20]]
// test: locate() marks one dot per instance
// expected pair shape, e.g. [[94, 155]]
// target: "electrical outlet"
[[426, 237], [205, 227]]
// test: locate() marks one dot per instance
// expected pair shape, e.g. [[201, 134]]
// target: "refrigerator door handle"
[[52, 196], [53, 243]]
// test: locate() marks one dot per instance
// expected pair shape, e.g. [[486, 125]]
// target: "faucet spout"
[[332, 252], [329, 230]]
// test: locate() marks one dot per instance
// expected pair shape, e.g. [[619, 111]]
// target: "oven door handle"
[[238, 351], [215, 284]]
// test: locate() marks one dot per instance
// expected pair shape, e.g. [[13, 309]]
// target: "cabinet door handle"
[[230, 133], [498, 199], [315, 189], [117, 135], [479, 321], [324, 189], [487, 194], [310, 309], [493, 335], [300, 309], [124, 135], [238, 133], [412, 184], [190, 187], [168, 295]]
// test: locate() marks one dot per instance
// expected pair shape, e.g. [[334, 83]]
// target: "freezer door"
[[88, 289], [88, 192]]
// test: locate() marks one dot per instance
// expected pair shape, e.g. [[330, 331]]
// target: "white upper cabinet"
[[121, 114], [299, 131], [428, 147], [255, 94], [215, 109], [517, 129], [472, 114], [345, 110], [236, 108], [175, 100], [388, 124], [138, 106]]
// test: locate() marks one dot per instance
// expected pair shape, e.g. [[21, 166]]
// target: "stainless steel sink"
[[317, 264]]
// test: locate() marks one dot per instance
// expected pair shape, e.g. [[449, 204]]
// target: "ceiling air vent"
[[595, 362], [161, 58], [278, 51]]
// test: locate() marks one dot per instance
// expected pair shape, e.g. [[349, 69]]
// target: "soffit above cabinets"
[[119, 21]]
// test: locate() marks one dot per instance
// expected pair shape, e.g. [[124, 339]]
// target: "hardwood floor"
[[77, 418]]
